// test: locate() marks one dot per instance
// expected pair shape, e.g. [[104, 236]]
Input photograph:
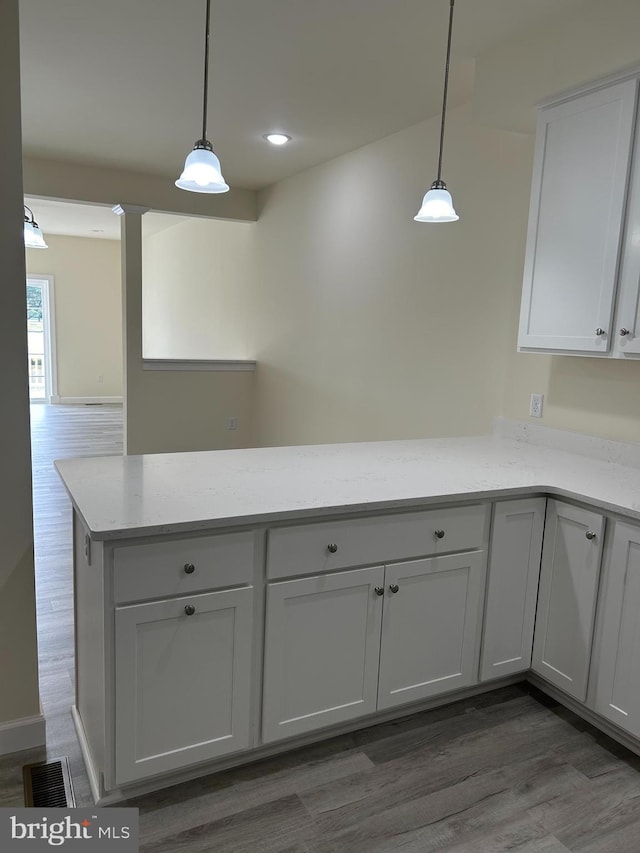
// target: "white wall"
[[196, 277], [195, 290], [18, 649], [368, 325], [591, 395], [88, 313]]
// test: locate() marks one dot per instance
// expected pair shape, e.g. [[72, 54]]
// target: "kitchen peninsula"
[[232, 604]]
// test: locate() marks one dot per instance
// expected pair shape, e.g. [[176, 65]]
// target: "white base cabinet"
[[430, 627], [616, 664], [512, 587], [182, 681], [322, 642], [569, 576], [178, 638]]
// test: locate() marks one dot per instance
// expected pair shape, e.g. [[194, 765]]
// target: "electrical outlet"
[[232, 423], [535, 406], [100, 378]]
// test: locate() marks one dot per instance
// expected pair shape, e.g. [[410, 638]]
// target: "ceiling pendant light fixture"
[[202, 173], [437, 205], [33, 236]]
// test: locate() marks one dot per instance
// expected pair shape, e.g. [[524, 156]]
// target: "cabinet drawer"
[[305, 549], [163, 568]]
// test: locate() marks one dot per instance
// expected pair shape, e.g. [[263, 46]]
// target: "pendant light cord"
[[444, 97], [206, 74]]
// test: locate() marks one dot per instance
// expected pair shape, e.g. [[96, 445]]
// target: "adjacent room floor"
[[509, 770]]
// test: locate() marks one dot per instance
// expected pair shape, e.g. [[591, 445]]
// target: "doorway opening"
[[41, 339]]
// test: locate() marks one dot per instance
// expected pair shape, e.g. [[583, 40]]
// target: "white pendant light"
[[437, 205], [33, 236], [202, 172]]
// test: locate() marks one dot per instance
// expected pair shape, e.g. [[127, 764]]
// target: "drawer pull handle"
[[394, 587], [600, 332], [379, 590], [439, 534], [189, 568], [624, 332], [189, 610], [332, 548], [590, 534]]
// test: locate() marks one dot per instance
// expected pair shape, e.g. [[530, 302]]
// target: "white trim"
[[198, 364], [49, 328], [121, 209], [83, 401], [25, 733], [92, 775], [628, 73]]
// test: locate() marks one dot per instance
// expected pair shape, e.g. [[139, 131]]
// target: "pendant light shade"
[[437, 204], [202, 172], [33, 236]]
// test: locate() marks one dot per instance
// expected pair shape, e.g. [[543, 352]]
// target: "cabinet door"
[[616, 665], [430, 627], [512, 587], [627, 326], [571, 555], [583, 149], [182, 681], [322, 643]]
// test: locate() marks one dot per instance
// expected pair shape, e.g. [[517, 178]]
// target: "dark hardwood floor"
[[506, 771]]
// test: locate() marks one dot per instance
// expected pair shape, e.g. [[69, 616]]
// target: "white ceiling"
[[119, 82], [86, 220]]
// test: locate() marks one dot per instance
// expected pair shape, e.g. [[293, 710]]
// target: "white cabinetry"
[[430, 627], [576, 226], [322, 644], [182, 681], [569, 575], [343, 644], [512, 587], [617, 660]]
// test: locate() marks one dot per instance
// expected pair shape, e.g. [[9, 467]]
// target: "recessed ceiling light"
[[277, 138]]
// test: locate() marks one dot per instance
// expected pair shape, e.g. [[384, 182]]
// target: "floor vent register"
[[47, 784]]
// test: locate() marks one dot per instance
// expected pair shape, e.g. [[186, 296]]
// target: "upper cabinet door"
[[626, 331], [581, 167]]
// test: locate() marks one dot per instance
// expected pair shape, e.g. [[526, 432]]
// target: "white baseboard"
[[25, 733], [92, 773], [83, 401]]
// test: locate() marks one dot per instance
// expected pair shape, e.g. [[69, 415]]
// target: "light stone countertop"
[[124, 497]]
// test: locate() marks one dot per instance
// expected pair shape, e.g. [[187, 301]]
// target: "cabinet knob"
[[600, 332], [590, 534], [332, 548], [624, 332], [439, 534], [379, 590], [189, 568], [189, 610], [394, 587]]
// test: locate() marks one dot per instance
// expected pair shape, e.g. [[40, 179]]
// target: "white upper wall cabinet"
[[576, 225]]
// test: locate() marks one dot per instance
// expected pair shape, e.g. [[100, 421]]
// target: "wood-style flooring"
[[58, 432], [506, 771]]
